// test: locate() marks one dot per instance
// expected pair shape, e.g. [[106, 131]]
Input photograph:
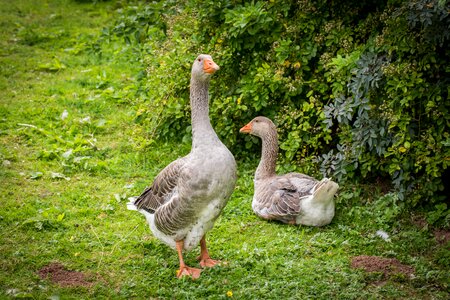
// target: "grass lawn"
[[69, 160]]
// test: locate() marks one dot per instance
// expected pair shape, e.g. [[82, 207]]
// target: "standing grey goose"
[[292, 198], [188, 195]]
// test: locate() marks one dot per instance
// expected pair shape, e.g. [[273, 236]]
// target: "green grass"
[[65, 184]]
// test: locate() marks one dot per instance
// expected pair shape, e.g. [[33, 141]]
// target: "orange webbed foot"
[[208, 262], [194, 273]]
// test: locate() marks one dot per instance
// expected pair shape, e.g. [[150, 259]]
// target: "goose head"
[[204, 67], [259, 126]]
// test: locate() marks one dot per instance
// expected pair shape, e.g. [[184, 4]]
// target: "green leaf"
[[60, 217], [36, 175]]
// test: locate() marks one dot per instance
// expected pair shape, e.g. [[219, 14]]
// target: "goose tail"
[[130, 203], [324, 190]]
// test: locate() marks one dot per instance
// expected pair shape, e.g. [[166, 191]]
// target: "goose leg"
[[204, 258], [185, 270]]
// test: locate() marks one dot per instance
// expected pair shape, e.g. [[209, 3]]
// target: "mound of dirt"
[[387, 266], [58, 274]]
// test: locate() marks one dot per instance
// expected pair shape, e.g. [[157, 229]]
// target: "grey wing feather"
[[300, 176], [280, 198], [304, 184], [162, 188]]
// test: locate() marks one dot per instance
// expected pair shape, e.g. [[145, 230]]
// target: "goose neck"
[[202, 130], [269, 153]]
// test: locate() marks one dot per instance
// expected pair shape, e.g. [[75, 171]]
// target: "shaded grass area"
[[69, 163]]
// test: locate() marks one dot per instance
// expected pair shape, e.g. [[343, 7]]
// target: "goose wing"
[[304, 184], [280, 197], [162, 188]]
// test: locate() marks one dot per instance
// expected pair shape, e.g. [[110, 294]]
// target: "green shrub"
[[394, 114]]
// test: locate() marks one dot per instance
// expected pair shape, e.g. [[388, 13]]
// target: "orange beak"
[[209, 66], [247, 128]]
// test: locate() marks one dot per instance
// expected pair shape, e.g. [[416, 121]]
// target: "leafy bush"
[[394, 114], [358, 89]]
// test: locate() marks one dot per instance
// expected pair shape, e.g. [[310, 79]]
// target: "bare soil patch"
[[387, 266], [58, 274], [419, 221], [442, 236]]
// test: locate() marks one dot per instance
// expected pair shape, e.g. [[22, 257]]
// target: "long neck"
[[202, 130], [269, 153]]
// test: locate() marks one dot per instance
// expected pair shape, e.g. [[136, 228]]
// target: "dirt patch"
[[442, 236], [419, 221], [387, 266], [58, 274]]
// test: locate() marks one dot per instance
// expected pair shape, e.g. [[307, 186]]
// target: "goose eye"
[[199, 59]]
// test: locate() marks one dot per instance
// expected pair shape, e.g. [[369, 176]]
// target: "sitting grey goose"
[[188, 195], [292, 198]]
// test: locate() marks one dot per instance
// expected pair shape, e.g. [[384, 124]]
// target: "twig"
[[115, 245], [27, 125], [101, 244]]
